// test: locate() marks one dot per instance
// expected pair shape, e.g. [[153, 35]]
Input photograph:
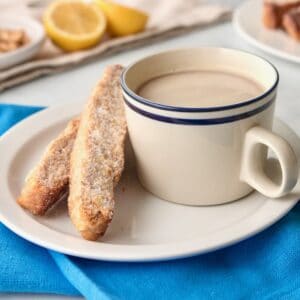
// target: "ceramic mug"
[[206, 155]]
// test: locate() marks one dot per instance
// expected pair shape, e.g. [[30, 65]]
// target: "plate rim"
[[114, 252], [253, 41]]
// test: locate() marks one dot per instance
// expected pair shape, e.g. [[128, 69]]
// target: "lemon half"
[[122, 20], [74, 25]]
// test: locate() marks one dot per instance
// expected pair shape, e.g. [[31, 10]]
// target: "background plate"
[[248, 23]]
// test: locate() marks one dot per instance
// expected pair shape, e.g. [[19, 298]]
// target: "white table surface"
[[77, 83]]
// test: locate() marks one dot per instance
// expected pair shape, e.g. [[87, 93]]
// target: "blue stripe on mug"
[[214, 121], [147, 102]]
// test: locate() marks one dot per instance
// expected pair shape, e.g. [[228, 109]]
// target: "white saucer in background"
[[248, 23], [36, 35], [144, 228]]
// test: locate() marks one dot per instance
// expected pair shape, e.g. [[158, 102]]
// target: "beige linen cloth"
[[167, 18]]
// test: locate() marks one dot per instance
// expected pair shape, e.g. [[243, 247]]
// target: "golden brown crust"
[[273, 12], [291, 23], [270, 16], [48, 181], [97, 159]]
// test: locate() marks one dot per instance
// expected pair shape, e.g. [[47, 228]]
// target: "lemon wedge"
[[122, 20], [74, 25]]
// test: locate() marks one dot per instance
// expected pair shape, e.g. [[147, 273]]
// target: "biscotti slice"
[[274, 11], [97, 159], [291, 23], [48, 181]]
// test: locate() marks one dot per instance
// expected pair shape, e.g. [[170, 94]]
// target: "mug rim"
[[172, 108]]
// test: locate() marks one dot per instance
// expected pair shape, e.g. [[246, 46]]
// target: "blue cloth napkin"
[[266, 266]]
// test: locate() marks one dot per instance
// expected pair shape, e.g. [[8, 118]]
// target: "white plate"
[[248, 22], [35, 32], [144, 227]]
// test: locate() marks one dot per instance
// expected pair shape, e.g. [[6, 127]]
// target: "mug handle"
[[252, 171]]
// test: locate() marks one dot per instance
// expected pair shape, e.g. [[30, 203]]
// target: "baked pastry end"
[[291, 23]]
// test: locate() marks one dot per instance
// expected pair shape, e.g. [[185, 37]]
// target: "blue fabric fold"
[[266, 266]]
